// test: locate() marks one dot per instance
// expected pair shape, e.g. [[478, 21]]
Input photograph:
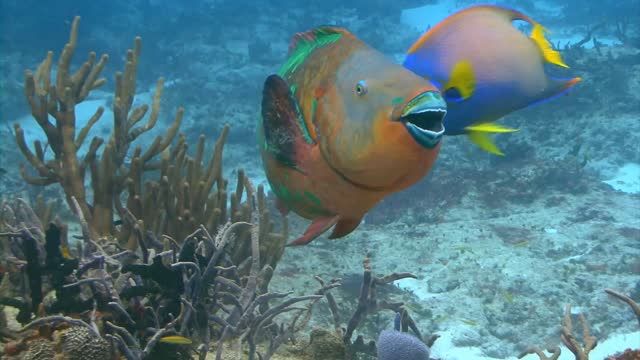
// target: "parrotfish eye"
[[361, 87]]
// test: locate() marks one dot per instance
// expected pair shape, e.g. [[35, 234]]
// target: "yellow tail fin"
[[479, 134], [550, 55]]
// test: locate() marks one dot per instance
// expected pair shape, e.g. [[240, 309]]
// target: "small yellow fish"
[[507, 295], [65, 252], [176, 339], [523, 243], [469, 322]]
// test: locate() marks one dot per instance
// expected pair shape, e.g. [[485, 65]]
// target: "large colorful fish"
[[486, 68], [342, 127]]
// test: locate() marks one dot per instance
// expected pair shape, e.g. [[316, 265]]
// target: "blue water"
[[499, 244]]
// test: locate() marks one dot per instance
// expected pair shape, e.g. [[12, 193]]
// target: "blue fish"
[[486, 69]]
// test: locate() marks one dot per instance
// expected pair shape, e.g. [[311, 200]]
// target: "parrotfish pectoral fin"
[[462, 80], [282, 207], [344, 227], [316, 229], [548, 53], [285, 130], [479, 134]]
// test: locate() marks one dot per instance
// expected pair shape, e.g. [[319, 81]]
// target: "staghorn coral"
[[194, 290], [368, 304], [57, 98], [581, 352], [627, 300], [189, 190], [124, 296]]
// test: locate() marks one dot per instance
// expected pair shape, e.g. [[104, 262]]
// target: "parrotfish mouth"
[[423, 117]]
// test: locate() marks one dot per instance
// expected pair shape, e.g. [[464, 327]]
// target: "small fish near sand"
[[343, 127]]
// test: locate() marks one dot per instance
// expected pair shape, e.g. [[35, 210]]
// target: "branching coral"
[[368, 303], [57, 98], [568, 339], [627, 300], [189, 190], [195, 291], [581, 351], [147, 285]]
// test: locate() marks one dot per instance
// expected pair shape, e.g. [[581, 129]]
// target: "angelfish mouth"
[[423, 116]]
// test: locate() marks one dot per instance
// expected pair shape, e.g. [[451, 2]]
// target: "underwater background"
[[497, 245]]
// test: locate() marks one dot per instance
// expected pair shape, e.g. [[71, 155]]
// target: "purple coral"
[[397, 345]]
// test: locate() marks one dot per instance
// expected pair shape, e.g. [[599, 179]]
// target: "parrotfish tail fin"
[[480, 134], [317, 228], [285, 130], [344, 227], [462, 82]]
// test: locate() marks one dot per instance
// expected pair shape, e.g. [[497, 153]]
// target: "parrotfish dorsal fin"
[[284, 127], [304, 43]]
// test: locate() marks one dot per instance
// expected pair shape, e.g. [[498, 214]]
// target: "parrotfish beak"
[[423, 116]]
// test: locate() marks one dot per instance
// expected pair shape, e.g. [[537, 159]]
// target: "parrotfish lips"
[[423, 117]]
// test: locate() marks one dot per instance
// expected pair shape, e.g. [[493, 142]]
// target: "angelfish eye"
[[361, 87]]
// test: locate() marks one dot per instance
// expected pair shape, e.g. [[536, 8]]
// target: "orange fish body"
[[342, 127]]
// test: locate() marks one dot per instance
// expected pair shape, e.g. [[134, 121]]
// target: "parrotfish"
[[486, 69], [342, 127]]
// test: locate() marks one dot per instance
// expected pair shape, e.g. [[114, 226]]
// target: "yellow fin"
[[479, 135], [483, 140], [550, 55], [462, 79], [64, 251], [489, 127], [176, 339]]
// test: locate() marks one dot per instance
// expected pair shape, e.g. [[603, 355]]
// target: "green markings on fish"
[[303, 44], [295, 198], [337, 132]]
